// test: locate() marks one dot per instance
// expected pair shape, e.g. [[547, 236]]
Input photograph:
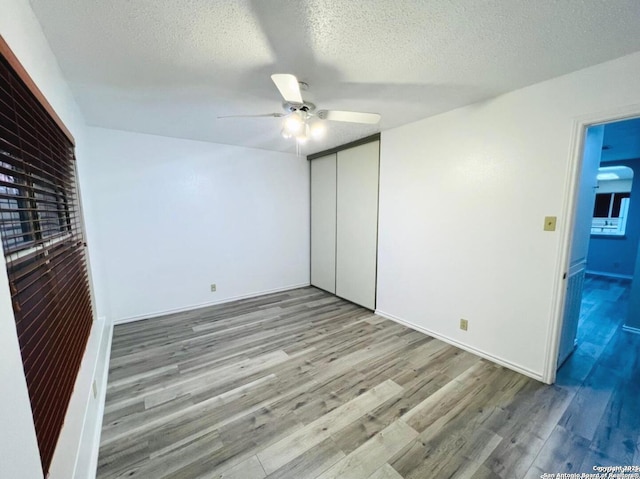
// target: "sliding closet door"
[[323, 223], [357, 224]]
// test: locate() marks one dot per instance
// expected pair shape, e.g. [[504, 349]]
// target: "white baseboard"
[[165, 312], [610, 275], [502, 362], [102, 389], [630, 329]]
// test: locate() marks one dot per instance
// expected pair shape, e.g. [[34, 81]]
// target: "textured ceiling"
[[171, 67]]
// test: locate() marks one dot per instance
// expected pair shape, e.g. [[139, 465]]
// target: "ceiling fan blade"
[[288, 86], [350, 116], [265, 115]]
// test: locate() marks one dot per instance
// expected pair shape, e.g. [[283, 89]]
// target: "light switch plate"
[[550, 223]]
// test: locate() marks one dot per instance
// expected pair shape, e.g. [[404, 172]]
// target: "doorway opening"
[[604, 252]]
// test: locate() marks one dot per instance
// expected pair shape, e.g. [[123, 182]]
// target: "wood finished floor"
[[304, 385]]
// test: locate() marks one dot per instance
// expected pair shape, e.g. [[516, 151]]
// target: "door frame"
[[569, 207]]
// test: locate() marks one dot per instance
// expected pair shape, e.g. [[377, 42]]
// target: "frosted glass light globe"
[[293, 124]]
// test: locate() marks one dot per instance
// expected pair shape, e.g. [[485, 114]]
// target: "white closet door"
[[323, 222], [357, 224]]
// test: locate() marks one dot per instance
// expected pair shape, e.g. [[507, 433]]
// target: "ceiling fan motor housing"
[[291, 107]]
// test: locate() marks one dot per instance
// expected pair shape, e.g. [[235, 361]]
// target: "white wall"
[[463, 196], [174, 216], [21, 30]]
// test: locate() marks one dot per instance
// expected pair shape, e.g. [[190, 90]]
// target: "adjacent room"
[[607, 230], [319, 239]]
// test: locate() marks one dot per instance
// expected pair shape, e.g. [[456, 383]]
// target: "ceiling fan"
[[301, 119]]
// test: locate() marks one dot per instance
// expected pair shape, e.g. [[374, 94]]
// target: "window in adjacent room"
[[613, 196]]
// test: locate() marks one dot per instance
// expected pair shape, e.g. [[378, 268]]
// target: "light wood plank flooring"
[[302, 384]]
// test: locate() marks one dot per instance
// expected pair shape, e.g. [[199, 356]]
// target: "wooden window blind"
[[42, 240]]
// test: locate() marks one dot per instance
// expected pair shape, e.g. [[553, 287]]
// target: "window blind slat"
[[43, 278], [43, 357], [39, 304]]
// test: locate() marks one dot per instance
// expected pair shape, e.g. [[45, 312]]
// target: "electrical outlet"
[[95, 389], [213, 288], [464, 324]]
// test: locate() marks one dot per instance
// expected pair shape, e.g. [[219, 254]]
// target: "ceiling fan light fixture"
[[285, 134], [294, 124], [318, 130], [300, 119], [303, 136]]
